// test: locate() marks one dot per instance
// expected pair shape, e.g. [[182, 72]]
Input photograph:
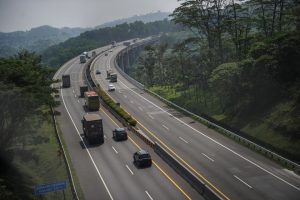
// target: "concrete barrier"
[[185, 173], [142, 135], [250, 144]]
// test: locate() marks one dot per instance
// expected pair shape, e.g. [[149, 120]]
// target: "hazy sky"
[[26, 14]]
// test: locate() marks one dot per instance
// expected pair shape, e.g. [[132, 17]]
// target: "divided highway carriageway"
[[230, 169], [107, 171]]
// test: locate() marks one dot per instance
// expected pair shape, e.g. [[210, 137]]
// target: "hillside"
[[58, 54], [243, 75], [37, 39], [150, 17]]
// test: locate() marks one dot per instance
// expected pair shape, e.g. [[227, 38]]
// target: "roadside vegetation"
[[29, 152], [60, 53], [115, 107], [236, 63]]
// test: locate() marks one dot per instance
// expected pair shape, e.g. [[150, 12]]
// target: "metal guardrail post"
[[261, 149]]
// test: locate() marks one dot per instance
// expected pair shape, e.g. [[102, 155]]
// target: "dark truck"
[[92, 100], [66, 82], [82, 58], [83, 89], [142, 158], [93, 128], [113, 77], [108, 73]]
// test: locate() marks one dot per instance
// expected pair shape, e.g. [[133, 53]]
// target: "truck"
[[126, 43], [114, 44], [83, 89], [82, 58], [91, 100], [66, 82], [113, 77], [93, 128], [108, 73], [86, 54]]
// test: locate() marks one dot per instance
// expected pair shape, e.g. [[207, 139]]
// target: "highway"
[[107, 171], [231, 169]]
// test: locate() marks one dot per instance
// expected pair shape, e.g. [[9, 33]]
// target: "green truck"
[[93, 128], [92, 102]]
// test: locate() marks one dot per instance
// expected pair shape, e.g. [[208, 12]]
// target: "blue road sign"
[[42, 189]]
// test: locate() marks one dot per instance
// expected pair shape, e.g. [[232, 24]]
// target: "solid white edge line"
[[141, 109], [148, 195], [129, 169], [243, 181], [86, 148], [212, 160], [232, 151], [183, 140], [114, 149]]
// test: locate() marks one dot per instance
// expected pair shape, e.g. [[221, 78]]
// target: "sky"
[[23, 15]]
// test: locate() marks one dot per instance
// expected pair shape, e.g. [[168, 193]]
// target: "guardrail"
[[68, 168], [268, 153], [193, 180]]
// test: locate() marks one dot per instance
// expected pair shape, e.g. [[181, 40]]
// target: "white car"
[[111, 87]]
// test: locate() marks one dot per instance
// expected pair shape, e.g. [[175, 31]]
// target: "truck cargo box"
[[66, 82]]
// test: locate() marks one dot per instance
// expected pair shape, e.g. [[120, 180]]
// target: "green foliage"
[[116, 107], [27, 143], [241, 63], [58, 54], [25, 87]]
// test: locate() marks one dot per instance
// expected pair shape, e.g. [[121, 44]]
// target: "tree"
[[24, 89]]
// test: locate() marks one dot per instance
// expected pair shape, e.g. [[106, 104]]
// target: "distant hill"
[[150, 17], [36, 39], [58, 54], [40, 38]]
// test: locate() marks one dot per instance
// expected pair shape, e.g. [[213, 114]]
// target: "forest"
[[56, 55], [236, 62]]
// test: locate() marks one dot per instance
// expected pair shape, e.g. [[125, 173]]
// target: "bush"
[[114, 106]]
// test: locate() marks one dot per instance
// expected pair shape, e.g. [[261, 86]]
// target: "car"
[[98, 71], [111, 87], [110, 50], [119, 134], [142, 158], [106, 54]]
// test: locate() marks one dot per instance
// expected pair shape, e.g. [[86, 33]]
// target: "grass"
[[75, 178], [206, 103], [262, 127], [35, 161]]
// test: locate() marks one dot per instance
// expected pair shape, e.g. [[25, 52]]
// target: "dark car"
[[119, 134], [142, 158], [98, 71]]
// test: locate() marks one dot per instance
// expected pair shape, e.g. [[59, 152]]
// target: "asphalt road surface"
[[106, 171], [231, 169]]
